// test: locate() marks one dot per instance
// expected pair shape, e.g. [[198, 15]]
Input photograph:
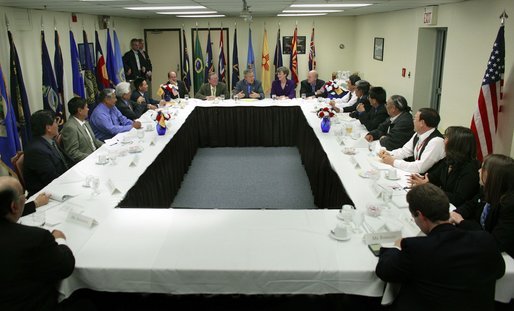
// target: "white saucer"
[[100, 163], [124, 142], [149, 130], [333, 236], [339, 216], [387, 177], [364, 175], [135, 150]]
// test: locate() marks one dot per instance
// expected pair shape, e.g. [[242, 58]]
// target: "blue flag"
[[111, 62], [277, 59], [9, 141], [186, 74], [209, 66], [19, 99], [120, 73], [235, 62], [78, 80], [51, 99], [250, 62], [89, 76], [59, 79]]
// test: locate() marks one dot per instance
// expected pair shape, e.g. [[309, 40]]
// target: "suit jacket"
[[205, 90], [305, 88], [129, 62], [76, 142], [400, 131], [449, 269], [132, 110], [33, 264], [499, 222], [353, 108], [288, 90], [182, 90], [374, 117], [135, 95], [256, 86], [42, 164], [461, 184]]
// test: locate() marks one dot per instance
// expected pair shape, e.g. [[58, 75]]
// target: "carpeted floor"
[[246, 178]]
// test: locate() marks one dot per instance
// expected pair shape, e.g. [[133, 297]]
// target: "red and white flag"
[[312, 53], [294, 57], [485, 119]]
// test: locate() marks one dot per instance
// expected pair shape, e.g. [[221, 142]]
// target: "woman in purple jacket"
[[283, 88]]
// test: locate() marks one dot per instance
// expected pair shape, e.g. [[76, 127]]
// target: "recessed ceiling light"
[[155, 8], [335, 5], [303, 14], [220, 15], [186, 13], [312, 11]]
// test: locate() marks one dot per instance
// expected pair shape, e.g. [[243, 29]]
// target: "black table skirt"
[[236, 127]]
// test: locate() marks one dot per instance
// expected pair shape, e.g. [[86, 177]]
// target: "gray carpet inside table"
[[246, 178]]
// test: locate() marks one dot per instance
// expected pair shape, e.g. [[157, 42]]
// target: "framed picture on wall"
[[378, 49], [287, 42]]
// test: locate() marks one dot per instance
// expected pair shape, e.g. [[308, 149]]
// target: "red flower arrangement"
[[326, 113]]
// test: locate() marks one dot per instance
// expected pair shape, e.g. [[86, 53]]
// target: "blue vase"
[[325, 125], [160, 130]]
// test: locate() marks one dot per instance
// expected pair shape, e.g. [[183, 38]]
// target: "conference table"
[[125, 238]]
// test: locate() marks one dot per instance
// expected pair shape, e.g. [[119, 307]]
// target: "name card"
[[134, 161], [152, 141], [81, 219], [111, 187], [382, 237]]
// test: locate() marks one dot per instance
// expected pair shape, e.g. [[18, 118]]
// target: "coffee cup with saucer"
[[342, 232]]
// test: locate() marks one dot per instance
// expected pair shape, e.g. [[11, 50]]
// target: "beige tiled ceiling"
[[227, 7]]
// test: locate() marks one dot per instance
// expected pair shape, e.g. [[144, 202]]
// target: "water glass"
[[186, 97], [387, 195], [304, 96], [39, 219], [236, 98], [274, 96], [95, 184], [140, 134], [358, 219], [222, 96]]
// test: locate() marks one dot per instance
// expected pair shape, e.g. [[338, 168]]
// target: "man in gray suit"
[[77, 136], [249, 87], [213, 89]]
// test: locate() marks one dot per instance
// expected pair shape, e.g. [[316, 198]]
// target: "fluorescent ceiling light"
[[220, 15], [306, 14], [187, 13], [155, 8], [335, 5], [312, 11]]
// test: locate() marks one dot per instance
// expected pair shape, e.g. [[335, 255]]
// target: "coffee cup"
[[341, 231], [392, 173], [149, 127], [355, 135]]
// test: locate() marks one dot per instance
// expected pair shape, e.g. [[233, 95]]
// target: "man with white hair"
[[130, 109]]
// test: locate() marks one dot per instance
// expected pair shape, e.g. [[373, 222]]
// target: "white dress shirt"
[[434, 151], [83, 124], [346, 100]]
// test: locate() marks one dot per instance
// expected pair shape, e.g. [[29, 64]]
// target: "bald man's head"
[[172, 76], [312, 76], [12, 199]]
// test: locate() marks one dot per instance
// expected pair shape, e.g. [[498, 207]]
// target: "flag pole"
[[503, 17], [55, 24], [42, 25], [6, 22]]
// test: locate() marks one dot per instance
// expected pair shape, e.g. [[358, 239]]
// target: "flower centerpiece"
[[325, 114], [333, 89], [161, 119]]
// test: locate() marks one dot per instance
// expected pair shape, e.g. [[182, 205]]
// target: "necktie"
[[485, 212], [59, 154], [249, 89], [313, 88], [350, 96], [213, 91], [90, 137], [136, 54]]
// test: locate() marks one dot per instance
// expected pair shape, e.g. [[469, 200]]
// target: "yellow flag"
[[266, 80]]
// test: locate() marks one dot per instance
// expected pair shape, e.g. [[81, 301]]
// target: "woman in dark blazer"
[[492, 209], [457, 173], [283, 88]]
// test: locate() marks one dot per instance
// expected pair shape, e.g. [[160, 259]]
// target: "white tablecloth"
[[222, 251]]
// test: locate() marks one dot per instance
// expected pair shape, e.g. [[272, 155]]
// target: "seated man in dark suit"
[[141, 91], [377, 113], [249, 87], [130, 109], [362, 92], [212, 89], [394, 132], [312, 86], [173, 88], [449, 269], [43, 160], [33, 259], [78, 137]]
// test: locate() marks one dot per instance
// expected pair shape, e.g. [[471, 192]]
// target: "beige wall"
[[28, 44]]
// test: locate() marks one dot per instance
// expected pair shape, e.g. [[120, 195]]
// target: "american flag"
[[485, 119], [312, 53], [221, 61]]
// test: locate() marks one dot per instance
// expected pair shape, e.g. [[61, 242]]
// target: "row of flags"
[[203, 66]]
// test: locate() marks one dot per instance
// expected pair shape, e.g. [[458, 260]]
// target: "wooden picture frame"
[[378, 49]]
